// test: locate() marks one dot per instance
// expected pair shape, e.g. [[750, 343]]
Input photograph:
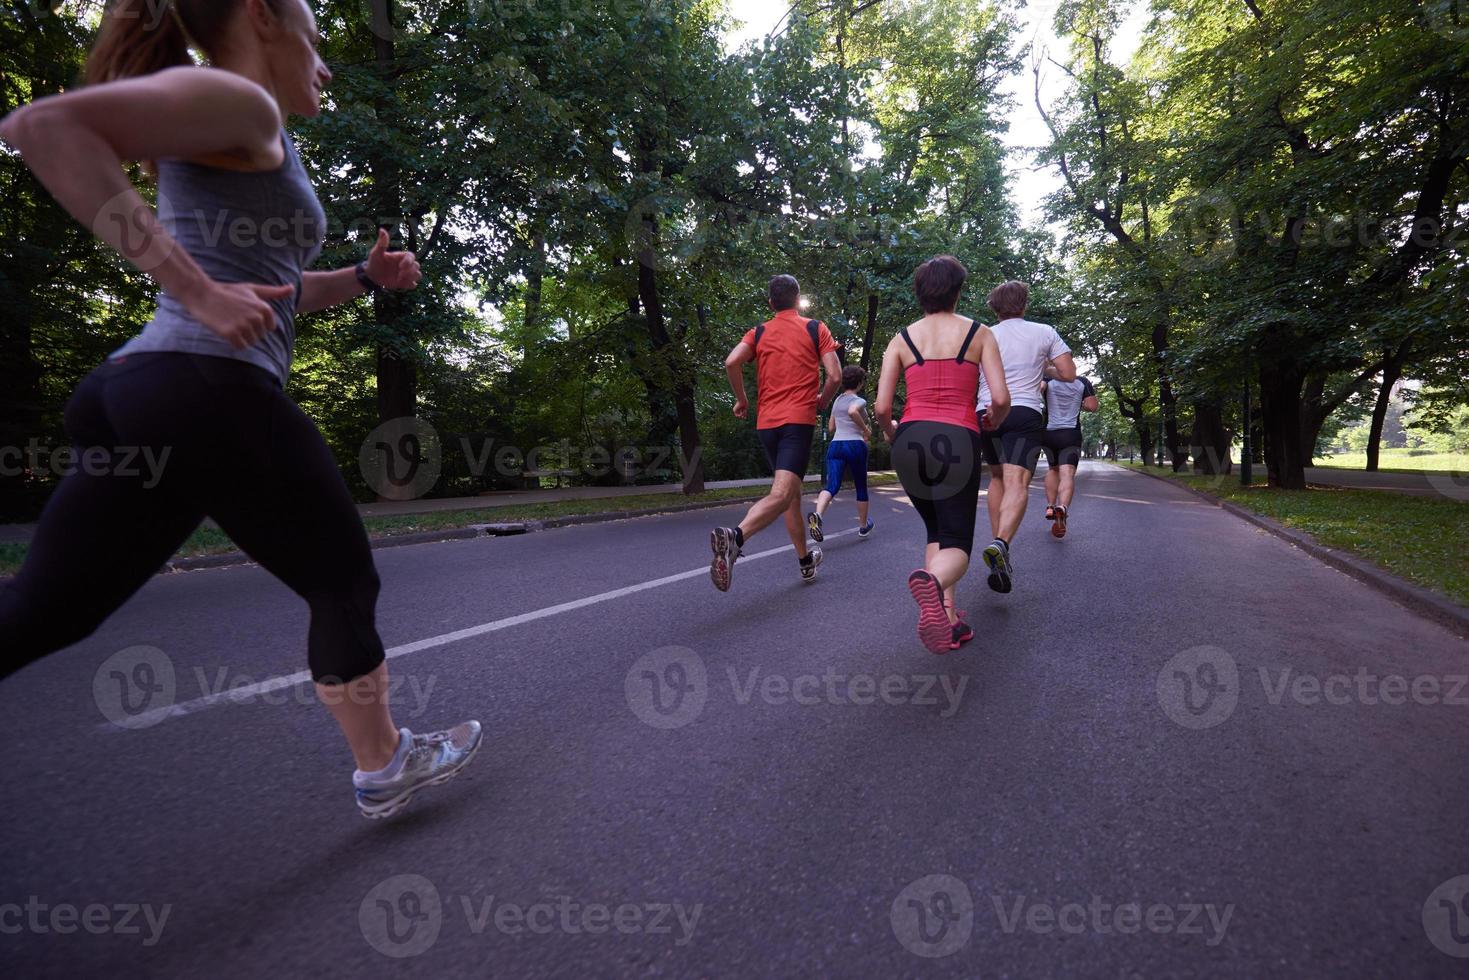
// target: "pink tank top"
[[944, 390]]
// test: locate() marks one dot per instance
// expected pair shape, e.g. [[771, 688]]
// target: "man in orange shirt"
[[790, 352]]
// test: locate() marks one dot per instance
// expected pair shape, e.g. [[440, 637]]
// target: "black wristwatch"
[[365, 281]]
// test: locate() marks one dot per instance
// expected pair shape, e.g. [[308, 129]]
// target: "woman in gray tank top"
[[201, 388]]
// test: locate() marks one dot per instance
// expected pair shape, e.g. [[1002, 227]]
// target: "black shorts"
[[940, 468], [1018, 441], [1063, 447], [788, 447]]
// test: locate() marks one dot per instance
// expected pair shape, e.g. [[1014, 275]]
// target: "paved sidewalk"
[[1414, 484], [22, 533]]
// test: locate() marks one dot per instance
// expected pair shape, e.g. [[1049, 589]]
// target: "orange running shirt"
[[788, 370]]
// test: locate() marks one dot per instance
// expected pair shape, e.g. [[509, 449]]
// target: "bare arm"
[[390, 270], [994, 375], [1091, 404], [76, 143], [887, 389], [859, 418], [734, 367], [832, 365], [1065, 367]]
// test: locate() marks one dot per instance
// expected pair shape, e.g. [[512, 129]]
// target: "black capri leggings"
[[225, 442], [940, 468]]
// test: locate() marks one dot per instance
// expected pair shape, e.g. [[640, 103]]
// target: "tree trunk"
[[1390, 375], [1145, 442], [397, 374], [1280, 420], [870, 332], [666, 355], [1210, 443]]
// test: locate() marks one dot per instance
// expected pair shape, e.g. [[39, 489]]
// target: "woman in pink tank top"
[[936, 449]]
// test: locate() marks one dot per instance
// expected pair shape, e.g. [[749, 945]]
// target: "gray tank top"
[[261, 227], [847, 430]]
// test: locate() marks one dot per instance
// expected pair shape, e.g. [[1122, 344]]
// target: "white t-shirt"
[[1024, 348], [847, 430]]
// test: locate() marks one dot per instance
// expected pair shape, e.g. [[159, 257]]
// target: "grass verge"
[[1417, 538], [209, 541], [1400, 461]]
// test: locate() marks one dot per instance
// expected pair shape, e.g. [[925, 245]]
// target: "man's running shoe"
[[813, 526], [726, 550], [808, 568], [934, 631], [865, 531], [427, 760], [1050, 512], [963, 633], [997, 560], [1059, 528]]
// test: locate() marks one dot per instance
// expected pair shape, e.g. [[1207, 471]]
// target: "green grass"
[[208, 541], [1418, 538], [1400, 461]]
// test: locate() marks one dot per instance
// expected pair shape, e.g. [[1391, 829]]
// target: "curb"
[[1424, 602], [492, 530]]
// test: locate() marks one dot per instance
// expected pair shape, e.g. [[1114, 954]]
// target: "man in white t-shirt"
[[1012, 449]]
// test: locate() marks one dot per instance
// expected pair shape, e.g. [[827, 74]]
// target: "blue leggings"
[[847, 454]]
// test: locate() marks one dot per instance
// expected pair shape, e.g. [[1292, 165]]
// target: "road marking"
[[247, 692]]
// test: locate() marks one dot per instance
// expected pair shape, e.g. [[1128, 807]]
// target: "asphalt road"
[[1179, 748]]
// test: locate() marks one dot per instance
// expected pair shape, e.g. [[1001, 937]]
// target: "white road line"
[[244, 693]]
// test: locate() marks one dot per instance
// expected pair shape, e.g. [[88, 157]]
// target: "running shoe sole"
[[813, 527], [816, 557], [721, 570], [1059, 528], [934, 630], [382, 811], [999, 566]]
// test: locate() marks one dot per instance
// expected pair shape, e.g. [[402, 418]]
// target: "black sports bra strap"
[[909, 341], [973, 329]]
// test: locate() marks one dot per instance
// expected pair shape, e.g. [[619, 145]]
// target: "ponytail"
[[138, 37]]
